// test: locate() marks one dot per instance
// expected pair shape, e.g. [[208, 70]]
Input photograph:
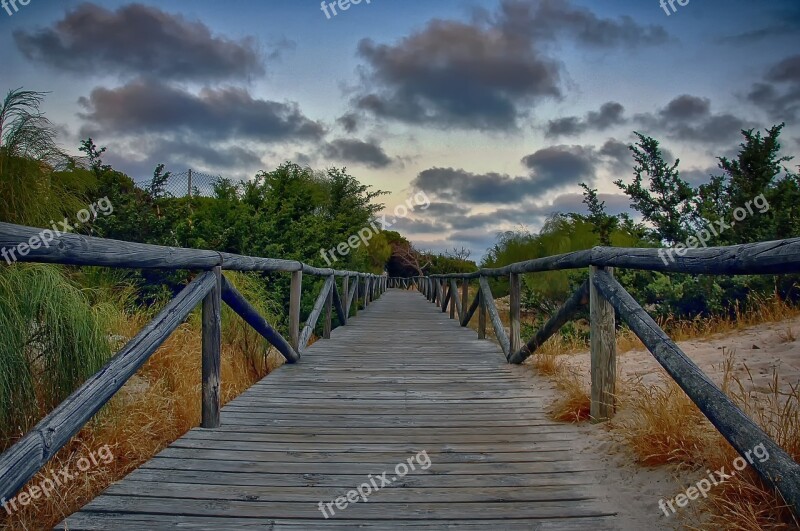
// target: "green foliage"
[[665, 201], [51, 340]]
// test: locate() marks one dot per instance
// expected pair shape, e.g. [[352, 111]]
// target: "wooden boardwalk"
[[400, 379]]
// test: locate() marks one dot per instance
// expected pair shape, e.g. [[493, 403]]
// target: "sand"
[[634, 491]]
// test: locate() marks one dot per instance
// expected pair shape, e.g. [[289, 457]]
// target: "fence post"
[[190, 184], [294, 309], [326, 330], [346, 298], [464, 295], [357, 280], [212, 352], [515, 340], [481, 318], [604, 351], [453, 295]]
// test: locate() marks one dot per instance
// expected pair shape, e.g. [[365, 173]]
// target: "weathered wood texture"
[[212, 352], [20, 462], [497, 323], [515, 331], [574, 303], [361, 404], [295, 292], [743, 434], [245, 310], [316, 311], [603, 351]]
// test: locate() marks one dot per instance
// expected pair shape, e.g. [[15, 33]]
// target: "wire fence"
[[189, 183]]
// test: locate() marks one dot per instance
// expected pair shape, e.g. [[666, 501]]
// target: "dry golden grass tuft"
[[158, 405]]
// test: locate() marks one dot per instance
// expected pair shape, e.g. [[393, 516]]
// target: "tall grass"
[[51, 339]]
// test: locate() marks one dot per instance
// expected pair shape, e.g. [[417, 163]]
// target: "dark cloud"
[[551, 168], [557, 166], [357, 151], [618, 153], [697, 176], [143, 106], [416, 226], [139, 40], [784, 22], [690, 118], [779, 93], [488, 73], [349, 121], [610, 114]]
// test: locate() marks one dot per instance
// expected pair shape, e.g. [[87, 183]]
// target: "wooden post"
[[346, 298], [481, 317], [326, 330], [604, 351], [515, 341], [464, 296], [212, 352], [356, 295], [453, 298], [189, 194], [294, 309]]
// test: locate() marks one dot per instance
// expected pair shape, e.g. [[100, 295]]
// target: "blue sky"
[[496, 109]]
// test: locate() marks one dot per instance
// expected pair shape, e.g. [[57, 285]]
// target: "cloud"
[[784, 22], [610, 114], [618, 155], [779, 93], [486, 74], [557, 166], [551, 168], [138, 40], [145, 106], [349, 121], [357, 151], [690, 118]]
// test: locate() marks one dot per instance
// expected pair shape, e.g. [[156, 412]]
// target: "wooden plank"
[[603, 352], [212, 352], [348, 300], [20, 463], [780, 470]]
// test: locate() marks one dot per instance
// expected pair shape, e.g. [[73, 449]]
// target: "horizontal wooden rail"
[[779, 470], [773, 257], [22, 461], [75, 249]]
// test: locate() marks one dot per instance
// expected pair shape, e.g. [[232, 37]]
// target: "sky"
[[496, 109]]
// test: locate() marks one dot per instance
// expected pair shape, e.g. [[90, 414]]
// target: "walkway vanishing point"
[[361, 404]]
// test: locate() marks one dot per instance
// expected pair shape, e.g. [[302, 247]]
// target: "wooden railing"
[[607, 298], [25, 458]]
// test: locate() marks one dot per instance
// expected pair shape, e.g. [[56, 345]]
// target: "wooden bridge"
[[400, 417], [360, 404]]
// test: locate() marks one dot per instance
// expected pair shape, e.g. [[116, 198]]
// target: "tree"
[[665, 201], [602, 223]]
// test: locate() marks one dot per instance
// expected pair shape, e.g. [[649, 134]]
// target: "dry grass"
[[662, 426], [158, 405]]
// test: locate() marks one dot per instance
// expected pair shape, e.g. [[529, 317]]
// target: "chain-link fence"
[[189, 183]]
